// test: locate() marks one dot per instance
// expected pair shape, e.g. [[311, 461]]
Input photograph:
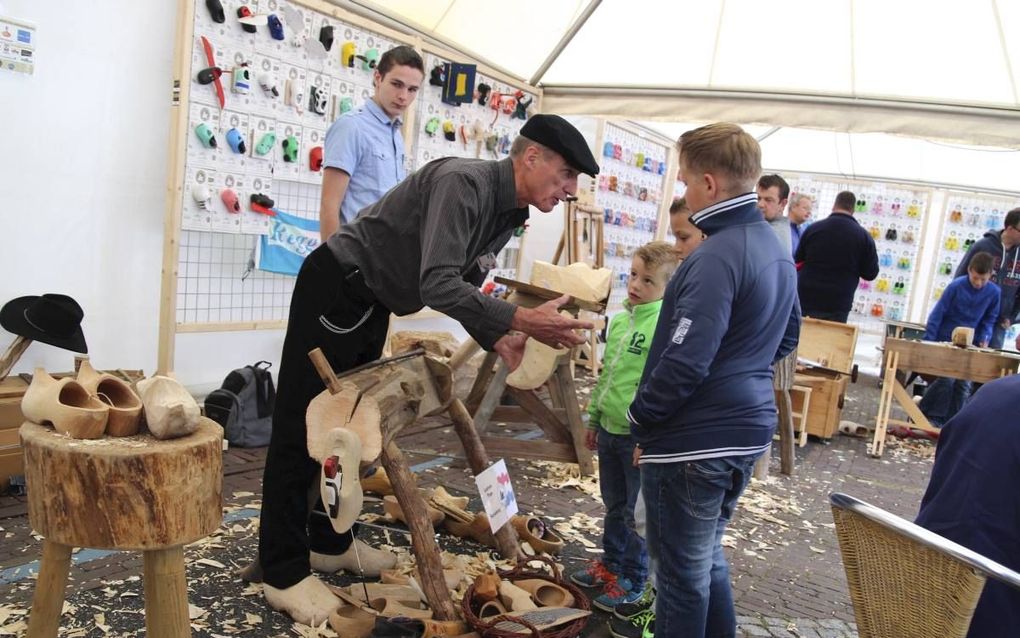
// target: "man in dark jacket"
[[1004, 247], [836, 253], [704, 411], [972, 497]]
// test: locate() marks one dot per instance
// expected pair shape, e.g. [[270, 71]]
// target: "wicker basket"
[[487, 628]]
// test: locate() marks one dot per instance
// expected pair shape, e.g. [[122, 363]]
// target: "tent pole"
[[564, 41]]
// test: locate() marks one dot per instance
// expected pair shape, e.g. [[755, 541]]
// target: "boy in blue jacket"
[[624, 567], [971, 301], [704, 411]]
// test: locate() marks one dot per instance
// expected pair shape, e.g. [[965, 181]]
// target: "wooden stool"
[[804, 394], [130, 493]]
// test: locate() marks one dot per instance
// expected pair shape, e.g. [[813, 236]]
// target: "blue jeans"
[[620, 482], [998, 336], [689, 505], [943, 399]]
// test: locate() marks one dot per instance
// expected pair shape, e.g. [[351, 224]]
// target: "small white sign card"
[[497, 494]]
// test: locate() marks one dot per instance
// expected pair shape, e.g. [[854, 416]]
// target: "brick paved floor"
[[786, 571]]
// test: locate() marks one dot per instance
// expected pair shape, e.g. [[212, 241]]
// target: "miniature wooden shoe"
[[545, 593], [443, 628], [514, 598], [537, 534], [339, 483], [352, 622], [440, 495], [170, 410], [392, 508], [125, 406], [397, 577], [66, 405]]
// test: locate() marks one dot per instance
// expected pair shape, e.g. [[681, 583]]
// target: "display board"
[[633, 191], [896, 216], [280, 91], [966, 218]]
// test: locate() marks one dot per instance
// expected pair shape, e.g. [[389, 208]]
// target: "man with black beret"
[[429, 241]]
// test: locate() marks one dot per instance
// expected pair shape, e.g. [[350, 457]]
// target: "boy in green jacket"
[[624, 568]]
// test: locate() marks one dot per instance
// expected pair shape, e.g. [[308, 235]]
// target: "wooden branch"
[[478, 460], [12, 354], [423, 535], [482, 379]]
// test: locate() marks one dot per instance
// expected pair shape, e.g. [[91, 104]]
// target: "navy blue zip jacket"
[[728, 313]]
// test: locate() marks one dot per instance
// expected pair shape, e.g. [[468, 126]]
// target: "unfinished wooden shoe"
[[400, 577], [537, 365], [309, 602], [392, 508], [478, 529], [377, 483], [391, 608], [66, 405], [359, 558], [125, 406], [339, 483], [533, 530], [545, 593], [514, 598], [170, 410]]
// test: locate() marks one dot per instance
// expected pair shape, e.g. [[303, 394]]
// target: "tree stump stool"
[[129, 493]]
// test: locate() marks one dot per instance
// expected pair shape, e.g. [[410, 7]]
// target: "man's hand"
[[636, 457], [591, 439], [511, 349], [545, 324]]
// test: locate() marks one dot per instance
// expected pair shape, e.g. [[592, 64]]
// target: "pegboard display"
[[631, 187], [967, 217], [280, 90], [482, 128], [895, 216]]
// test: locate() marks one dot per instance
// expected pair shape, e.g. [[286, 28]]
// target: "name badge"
[[487, 262]]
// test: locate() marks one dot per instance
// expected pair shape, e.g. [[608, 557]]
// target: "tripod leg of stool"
[[48, 599], [166, 594]]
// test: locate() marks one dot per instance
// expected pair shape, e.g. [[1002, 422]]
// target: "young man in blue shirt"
[[970, 301], [363, 156], [705, 411]]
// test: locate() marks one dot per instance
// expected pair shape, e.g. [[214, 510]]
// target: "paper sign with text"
[[497, 494]]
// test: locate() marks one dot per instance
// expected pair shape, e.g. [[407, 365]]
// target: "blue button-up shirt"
[[795, 231], [367, 145]]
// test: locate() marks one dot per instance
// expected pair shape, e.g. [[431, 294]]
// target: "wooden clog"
[[170, 410], [125, 406], [66, 405]]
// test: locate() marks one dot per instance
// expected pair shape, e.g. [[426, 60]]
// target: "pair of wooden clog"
[[94, 404]]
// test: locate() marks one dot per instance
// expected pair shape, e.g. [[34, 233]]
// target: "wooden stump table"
[[130, 493]]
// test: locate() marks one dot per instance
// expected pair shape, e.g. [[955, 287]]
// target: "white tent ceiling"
[[942, 69]]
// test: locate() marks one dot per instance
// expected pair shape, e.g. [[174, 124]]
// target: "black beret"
[[560, 135]]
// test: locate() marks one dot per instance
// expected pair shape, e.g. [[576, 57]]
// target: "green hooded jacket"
[[630, 335]]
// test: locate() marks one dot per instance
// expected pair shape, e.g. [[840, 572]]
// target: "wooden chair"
[[801, 398], [906, 581]]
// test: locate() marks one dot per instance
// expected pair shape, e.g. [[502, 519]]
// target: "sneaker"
[[617, 593], [640, 626], [594, 575], [623, 611]]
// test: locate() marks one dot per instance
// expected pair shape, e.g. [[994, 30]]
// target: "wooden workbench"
[[940, 359]]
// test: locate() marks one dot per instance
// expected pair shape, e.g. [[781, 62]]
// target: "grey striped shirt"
[[421, 244]]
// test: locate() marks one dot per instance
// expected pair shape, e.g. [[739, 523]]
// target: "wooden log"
[[478, 460], [423, 535], [482, 380], [568, 394], [124, 493], [48, 598], [440, 344]]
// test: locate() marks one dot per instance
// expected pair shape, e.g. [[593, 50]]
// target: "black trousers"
[[331, 309]]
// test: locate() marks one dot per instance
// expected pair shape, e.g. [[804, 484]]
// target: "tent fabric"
[[939, 68]]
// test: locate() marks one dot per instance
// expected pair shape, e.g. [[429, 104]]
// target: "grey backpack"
[[243, 405]]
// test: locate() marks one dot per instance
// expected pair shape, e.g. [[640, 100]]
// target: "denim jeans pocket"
[[706, 484]]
